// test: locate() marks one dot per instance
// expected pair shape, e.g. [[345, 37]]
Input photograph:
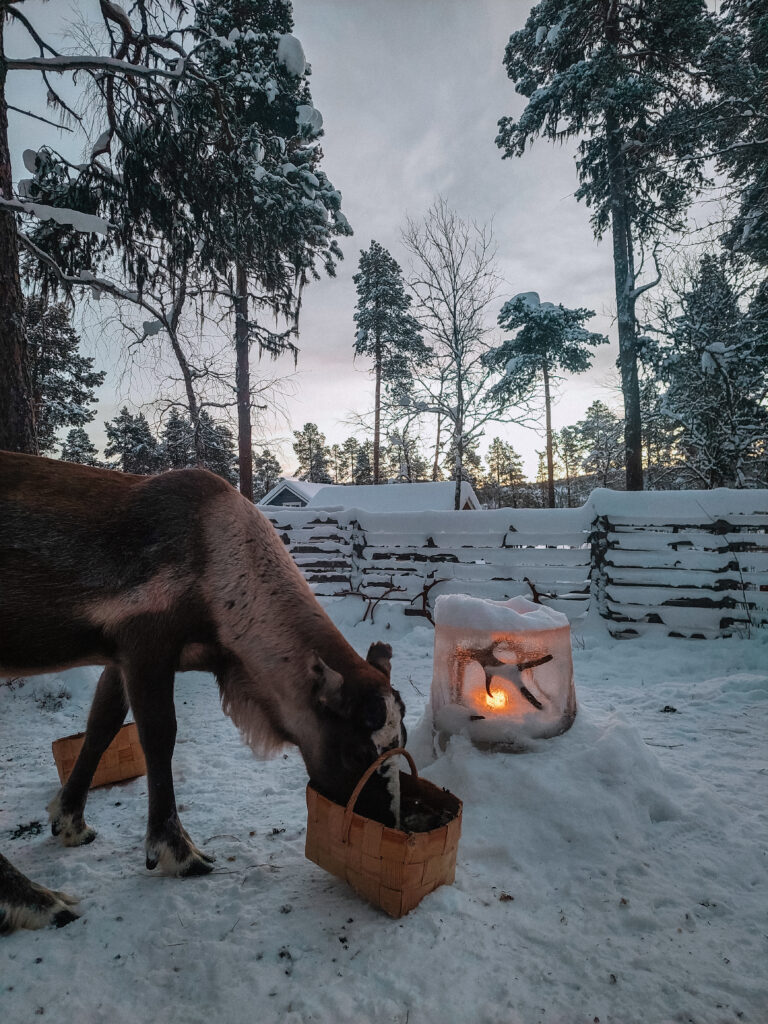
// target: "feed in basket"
[[392, 868], [123, 759]]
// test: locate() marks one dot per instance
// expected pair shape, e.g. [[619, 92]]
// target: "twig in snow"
[[410, 680]]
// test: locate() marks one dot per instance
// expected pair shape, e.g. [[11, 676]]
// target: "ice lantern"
[[503, 671]]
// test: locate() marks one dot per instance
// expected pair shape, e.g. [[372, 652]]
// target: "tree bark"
[[436, 463], [458, 423], [548, 421], [458, 465], [243, 383], [17, 422], [186, 373], [377, 413], [624, 279]]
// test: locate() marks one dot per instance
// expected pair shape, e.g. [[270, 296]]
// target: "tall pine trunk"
[[568, 479], [17, 424], [186, 372], [377, 413], [624, 278], [548, 421], [243, 382]]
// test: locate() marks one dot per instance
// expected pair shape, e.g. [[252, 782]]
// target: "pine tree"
[[404, 459], [660, 453], [177, 441], [736, 120], [505, 474], [569, 451], [349, 452], [266, 473], [131, 445], [312, 453], [78, 447], [541, 480], [599, 435], [275, 211], [130, 63], [714, 364], [364, 464], [218, 445], [549, 339], [471, 463], [626, 80], [226, 187], [213, 449], [62, 380], [337, 463], [386, 331]]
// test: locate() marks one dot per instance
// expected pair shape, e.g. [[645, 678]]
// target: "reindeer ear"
[[380, 656], [327, 685]]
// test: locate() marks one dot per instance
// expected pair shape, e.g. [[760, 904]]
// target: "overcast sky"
[[410, 92]]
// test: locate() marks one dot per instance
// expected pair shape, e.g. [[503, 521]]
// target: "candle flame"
[[496, 700]]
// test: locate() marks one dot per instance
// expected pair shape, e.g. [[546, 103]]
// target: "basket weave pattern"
[[123, 759], [392, 869]]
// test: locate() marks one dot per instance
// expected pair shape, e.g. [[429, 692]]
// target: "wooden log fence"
[[687, 563]]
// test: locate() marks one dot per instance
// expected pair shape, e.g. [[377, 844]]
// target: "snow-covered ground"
[[616, 874]]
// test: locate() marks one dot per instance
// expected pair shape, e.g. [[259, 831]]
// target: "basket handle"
[[365, 777]]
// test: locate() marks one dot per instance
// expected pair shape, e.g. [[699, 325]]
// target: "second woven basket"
[[123, 759]]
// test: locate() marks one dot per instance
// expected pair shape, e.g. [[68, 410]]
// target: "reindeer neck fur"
[[270, 623]]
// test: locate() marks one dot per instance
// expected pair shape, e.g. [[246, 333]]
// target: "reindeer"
[[150, 576]]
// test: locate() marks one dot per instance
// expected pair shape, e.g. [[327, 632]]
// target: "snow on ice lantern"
[[503, 671]]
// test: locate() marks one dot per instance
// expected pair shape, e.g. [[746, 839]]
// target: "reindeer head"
[[360, 718]]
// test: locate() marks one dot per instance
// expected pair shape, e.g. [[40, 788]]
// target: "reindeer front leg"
[[150, 690], [107, 714]]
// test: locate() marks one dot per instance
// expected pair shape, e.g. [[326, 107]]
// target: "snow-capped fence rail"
[[689, 563], [692, 563], [414, 556]]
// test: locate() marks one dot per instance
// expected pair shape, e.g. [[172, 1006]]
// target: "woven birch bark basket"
[[123, 759], [390, 868]]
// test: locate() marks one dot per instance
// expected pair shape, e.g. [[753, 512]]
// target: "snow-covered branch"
[[85, 222], [86, 62], [88, 280]]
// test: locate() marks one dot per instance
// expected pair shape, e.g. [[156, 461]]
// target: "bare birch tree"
[[454, 282]]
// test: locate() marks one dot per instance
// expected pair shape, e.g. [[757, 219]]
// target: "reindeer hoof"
[[64, 917], [70, 835], [69, 827], [209, 858], [177, 855], [39, 908], [197, 867]]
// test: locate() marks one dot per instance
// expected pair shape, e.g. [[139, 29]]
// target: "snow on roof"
[[393, 497], [302, 488], [376, 497]]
